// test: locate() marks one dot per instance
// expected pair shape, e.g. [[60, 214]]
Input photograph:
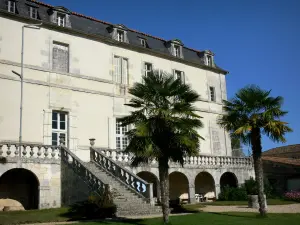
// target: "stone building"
[[77, 71]]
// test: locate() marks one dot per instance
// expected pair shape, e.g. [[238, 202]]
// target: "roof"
[[282, 150], [288, 161], [90, 25]]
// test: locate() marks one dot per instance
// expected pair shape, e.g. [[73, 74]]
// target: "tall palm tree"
[[165, 126], [251, 113]]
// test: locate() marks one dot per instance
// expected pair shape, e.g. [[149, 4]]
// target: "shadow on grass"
[[239, 214]]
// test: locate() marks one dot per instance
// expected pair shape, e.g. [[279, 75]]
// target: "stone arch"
[[21, 185], [150, 178], [228, 179], [178, 186], [205, 185]]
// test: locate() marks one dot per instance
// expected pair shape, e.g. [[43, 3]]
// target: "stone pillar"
[[92, 143], [218, 190], [44, 195], [192, 199]]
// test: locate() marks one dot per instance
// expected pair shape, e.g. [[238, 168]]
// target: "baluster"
[[31, 150], [52, 151], [46, 152], [24, 151], [16, 150], [1, 151], [8, 152]]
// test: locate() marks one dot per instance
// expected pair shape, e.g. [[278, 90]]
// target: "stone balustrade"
[[196, 161], [137, 184], [29, 151]]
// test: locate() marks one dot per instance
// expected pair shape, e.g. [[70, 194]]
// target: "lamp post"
[[31, 26]]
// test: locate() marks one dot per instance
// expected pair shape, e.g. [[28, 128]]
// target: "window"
[[176, 50], [212, 94], [121, 70], [33, 13], [143, 42], [59, 127], [121, 138], [179, 75], [11, 6], [61, 19], [148, 68], [209, 60], [120, 35], [60, 61]]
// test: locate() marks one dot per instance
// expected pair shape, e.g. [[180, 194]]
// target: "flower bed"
[[293, 196]]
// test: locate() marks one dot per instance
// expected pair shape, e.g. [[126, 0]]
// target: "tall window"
[[11, 6], [121, 70], [212, 94], [209, 60], [121, 138], [179, 75], [176, 50], [147, 68], [33, 12], [59, 127], [120, 35], [61, 19], [60, 61]]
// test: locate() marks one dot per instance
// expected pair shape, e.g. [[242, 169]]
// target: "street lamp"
[[31, 26]]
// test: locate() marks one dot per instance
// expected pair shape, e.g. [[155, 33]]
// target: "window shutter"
[[68, 21], [115, 34], [143, 69], [181, 52], [117, 70], [124, 71], [174, 75], [183, 77]]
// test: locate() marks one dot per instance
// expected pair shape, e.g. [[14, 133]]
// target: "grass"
[[212, 219]]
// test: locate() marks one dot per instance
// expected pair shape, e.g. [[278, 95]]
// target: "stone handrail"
[[201, 160], [134, 182], [82, 171], [29, 151]]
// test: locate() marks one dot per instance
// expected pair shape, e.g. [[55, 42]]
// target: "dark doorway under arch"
[[205, 185], [178, 186], [228, 179], [22, 186]]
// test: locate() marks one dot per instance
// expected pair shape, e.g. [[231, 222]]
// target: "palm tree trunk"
[[163, 168], [258, 169]]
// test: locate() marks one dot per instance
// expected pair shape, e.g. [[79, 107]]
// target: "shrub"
[[95, 207], [292, 196], [233, 194], [252, 188]]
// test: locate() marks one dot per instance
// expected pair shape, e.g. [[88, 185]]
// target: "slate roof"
[[94, 26], [288, 161], [282, 150]]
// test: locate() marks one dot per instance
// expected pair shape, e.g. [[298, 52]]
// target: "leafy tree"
[[165, 126], [251, 113]]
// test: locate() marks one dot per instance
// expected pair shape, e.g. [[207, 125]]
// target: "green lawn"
[[214, 219]]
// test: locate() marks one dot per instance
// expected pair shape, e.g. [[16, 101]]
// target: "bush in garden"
[[233, 194], [252, 189], [292, 196]]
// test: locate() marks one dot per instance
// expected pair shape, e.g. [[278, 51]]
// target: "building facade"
[[77, 72]]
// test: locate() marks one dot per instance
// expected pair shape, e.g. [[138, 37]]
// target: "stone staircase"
[[132, 195]]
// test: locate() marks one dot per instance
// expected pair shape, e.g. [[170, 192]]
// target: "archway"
[[22, 186], [228, 179], [205, 185], [179, 186], [151, 178]]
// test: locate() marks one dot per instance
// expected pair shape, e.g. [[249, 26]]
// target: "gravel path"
[[293, 208]]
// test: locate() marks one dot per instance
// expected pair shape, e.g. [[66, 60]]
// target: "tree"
[[165, 126], [251, 113]]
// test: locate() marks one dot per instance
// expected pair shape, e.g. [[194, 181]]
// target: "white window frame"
[[11, 6], [209, 60], [212, 93], [148, 68], [122, 140], [176, 50], [120, 35], [123, 77], [143, 42], [179, 75], [58, 130], [61, 19], [33, 12]]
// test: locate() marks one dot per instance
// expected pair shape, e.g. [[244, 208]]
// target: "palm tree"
[[165, 126], [251, 113]]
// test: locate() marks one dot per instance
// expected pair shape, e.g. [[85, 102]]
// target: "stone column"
[[192, 199], [218, 190], [92, 143]]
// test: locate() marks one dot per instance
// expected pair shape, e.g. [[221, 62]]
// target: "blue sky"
[[258, 41]]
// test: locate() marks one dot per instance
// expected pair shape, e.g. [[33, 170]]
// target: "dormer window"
[[120, 35], [33, 13], [143, 42], [209, 60], [11, 6], [176, 50], [61, 19]]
